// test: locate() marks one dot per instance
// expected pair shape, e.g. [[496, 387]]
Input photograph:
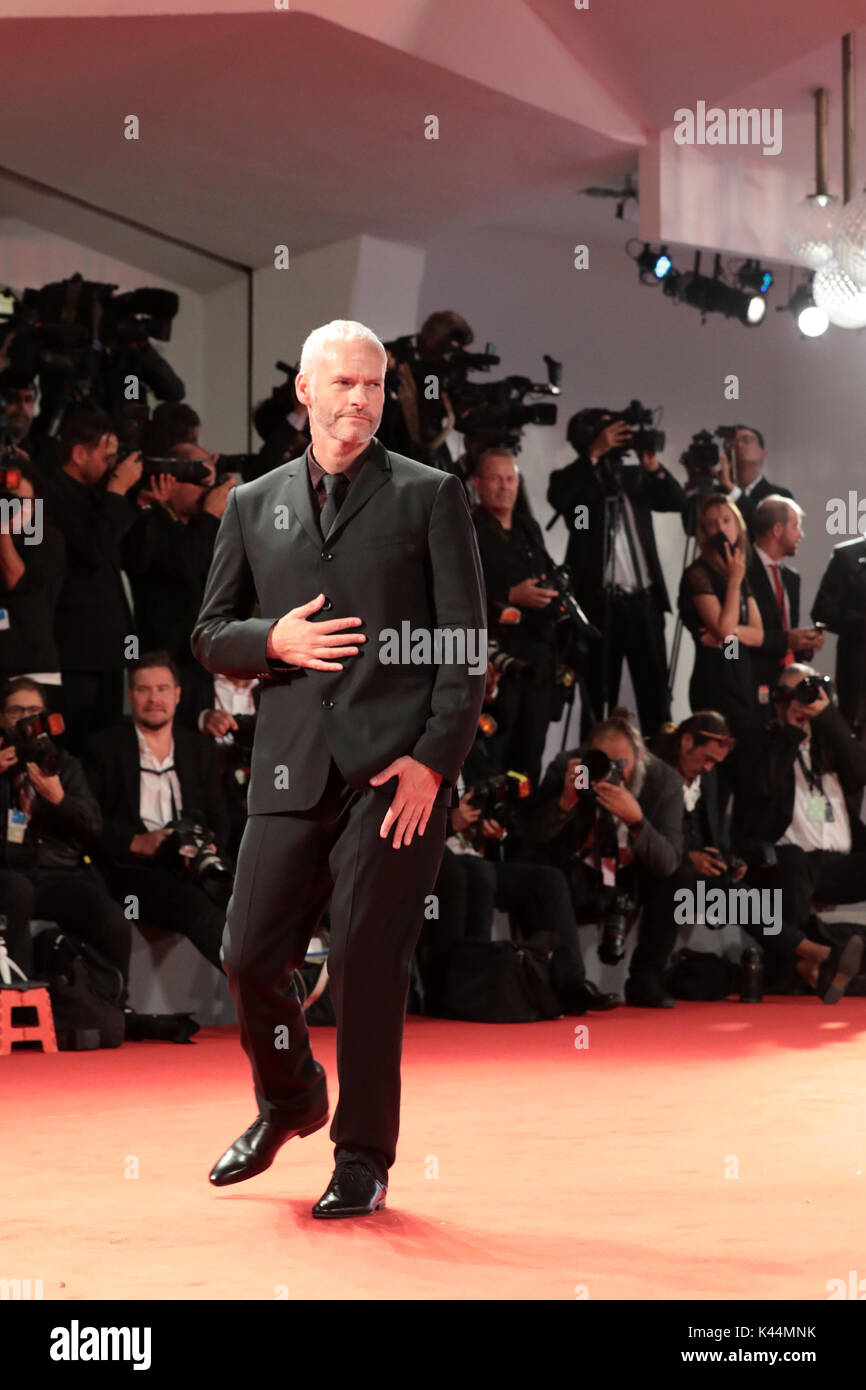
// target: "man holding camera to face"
[[610, 814], [792, 823], [49, 818], [167, 555]]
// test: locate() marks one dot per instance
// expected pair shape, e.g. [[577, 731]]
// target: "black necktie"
[[334, 484]]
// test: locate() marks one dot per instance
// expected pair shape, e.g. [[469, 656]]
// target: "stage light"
[[711, 295], [811, 320], [663, 266], [653, 266]]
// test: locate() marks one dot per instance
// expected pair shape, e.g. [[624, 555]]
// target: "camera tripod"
[[7, 964], [615, 515]]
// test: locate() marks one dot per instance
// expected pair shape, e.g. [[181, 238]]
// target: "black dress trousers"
[[290, 866]]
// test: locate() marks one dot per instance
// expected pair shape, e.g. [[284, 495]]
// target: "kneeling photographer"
[[475, 878], [610, 815], [49, 818], [164, 822], [796, 785]]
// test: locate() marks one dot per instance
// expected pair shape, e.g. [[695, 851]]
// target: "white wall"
[[619, 339], [31, 257]]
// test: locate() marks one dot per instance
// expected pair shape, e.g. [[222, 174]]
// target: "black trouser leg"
[[658, 930], [171, 903], [594, 678], [540, 898], [647, 663], [79, 902]]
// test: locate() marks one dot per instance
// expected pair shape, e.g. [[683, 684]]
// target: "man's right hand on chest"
[[298, 642]]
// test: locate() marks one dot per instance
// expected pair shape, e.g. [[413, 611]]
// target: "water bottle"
[[751, 976]]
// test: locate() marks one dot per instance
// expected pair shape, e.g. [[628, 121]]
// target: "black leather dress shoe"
[[589, 996], [844, 961], [256, 1149], [647, 996], [354, 1190]]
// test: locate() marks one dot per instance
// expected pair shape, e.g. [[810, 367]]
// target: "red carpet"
[[602, 1168]]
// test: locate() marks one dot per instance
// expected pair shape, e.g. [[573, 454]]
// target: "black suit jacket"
[[841, 604], [578, 485], [767, 659], [763, 488], [111, 763], [401, 554]]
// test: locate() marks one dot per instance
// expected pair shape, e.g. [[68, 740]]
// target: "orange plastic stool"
[[42, 1031]]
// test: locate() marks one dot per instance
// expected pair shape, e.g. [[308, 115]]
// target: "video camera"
[[701, 458], [31, 739], [644, 438], [496, 412]]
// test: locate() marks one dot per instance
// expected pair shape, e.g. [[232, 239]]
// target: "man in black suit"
[[748, 486], [635, 616], [346, 536], [92, 621], [841, 605], [777, 528], [145, 773]]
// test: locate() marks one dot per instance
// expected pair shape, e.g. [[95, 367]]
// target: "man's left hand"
[[48, 787], [417, 786], [618, 800]]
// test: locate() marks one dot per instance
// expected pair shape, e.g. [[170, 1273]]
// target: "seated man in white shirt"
[[794, 827]]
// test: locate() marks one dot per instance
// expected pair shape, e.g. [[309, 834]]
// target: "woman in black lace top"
[[716, 605]]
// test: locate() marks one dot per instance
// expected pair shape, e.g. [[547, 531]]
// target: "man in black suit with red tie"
[[777, 525], [360, 739]]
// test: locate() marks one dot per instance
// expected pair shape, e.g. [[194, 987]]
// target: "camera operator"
[[147, 775], [89, 504], [520, 611], [634, 615], [167, 555], [49, 818], [282, 421], [795, 829], [610, 815], [30, 579], [412, 424], [777, 528], [473, 881], [742, 478], [716, 605], [840, 605]]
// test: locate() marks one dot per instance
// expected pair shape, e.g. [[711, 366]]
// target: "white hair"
[[338, 330]]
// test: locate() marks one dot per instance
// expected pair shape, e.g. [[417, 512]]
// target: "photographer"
[[777, 528], [230, 720], [167, 555], [717, 605], [411, 423], [610, 815], [147, 774], [635, 609], [520, 608], [742, 478], [795, 829], [473, 882], [49, 818], [89, 504], [31, 575], [840, 605]]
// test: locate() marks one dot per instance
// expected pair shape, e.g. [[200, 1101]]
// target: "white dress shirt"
[[814, 834], [157, 783]]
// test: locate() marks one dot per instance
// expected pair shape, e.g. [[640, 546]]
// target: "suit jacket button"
[[327, 704], [326, 555], [326, 606]]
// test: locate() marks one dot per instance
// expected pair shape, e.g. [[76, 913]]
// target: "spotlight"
[[653, 266], [750, 276], [711, 295], [811, 320]]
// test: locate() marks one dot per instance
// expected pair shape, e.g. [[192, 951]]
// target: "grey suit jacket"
[[401, 554]]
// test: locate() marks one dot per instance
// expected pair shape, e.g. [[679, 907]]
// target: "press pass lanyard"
[[162, 772], [818, 800]]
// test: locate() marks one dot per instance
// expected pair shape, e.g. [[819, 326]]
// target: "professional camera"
[[601, 768], [615, 909], [31, 739], [507, 665], [805, 691], [496, 412], [613, 905], [587, 425], [568, 610], [191, 849], [181, 469], [499, 797]]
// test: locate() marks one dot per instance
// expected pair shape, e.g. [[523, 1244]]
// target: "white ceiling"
[[258, 128]]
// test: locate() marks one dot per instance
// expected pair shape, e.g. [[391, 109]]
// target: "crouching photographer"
[[795, 784], [475, 878], [49, 818], [610, 815], [164, 823]]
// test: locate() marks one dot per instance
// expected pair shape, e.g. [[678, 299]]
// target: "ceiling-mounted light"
[[811, 320], [653, 266], [710, 294], [843, 301], [812, 225], [851, 239]]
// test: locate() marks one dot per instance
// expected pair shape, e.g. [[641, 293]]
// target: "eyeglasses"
[[23, 711]]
